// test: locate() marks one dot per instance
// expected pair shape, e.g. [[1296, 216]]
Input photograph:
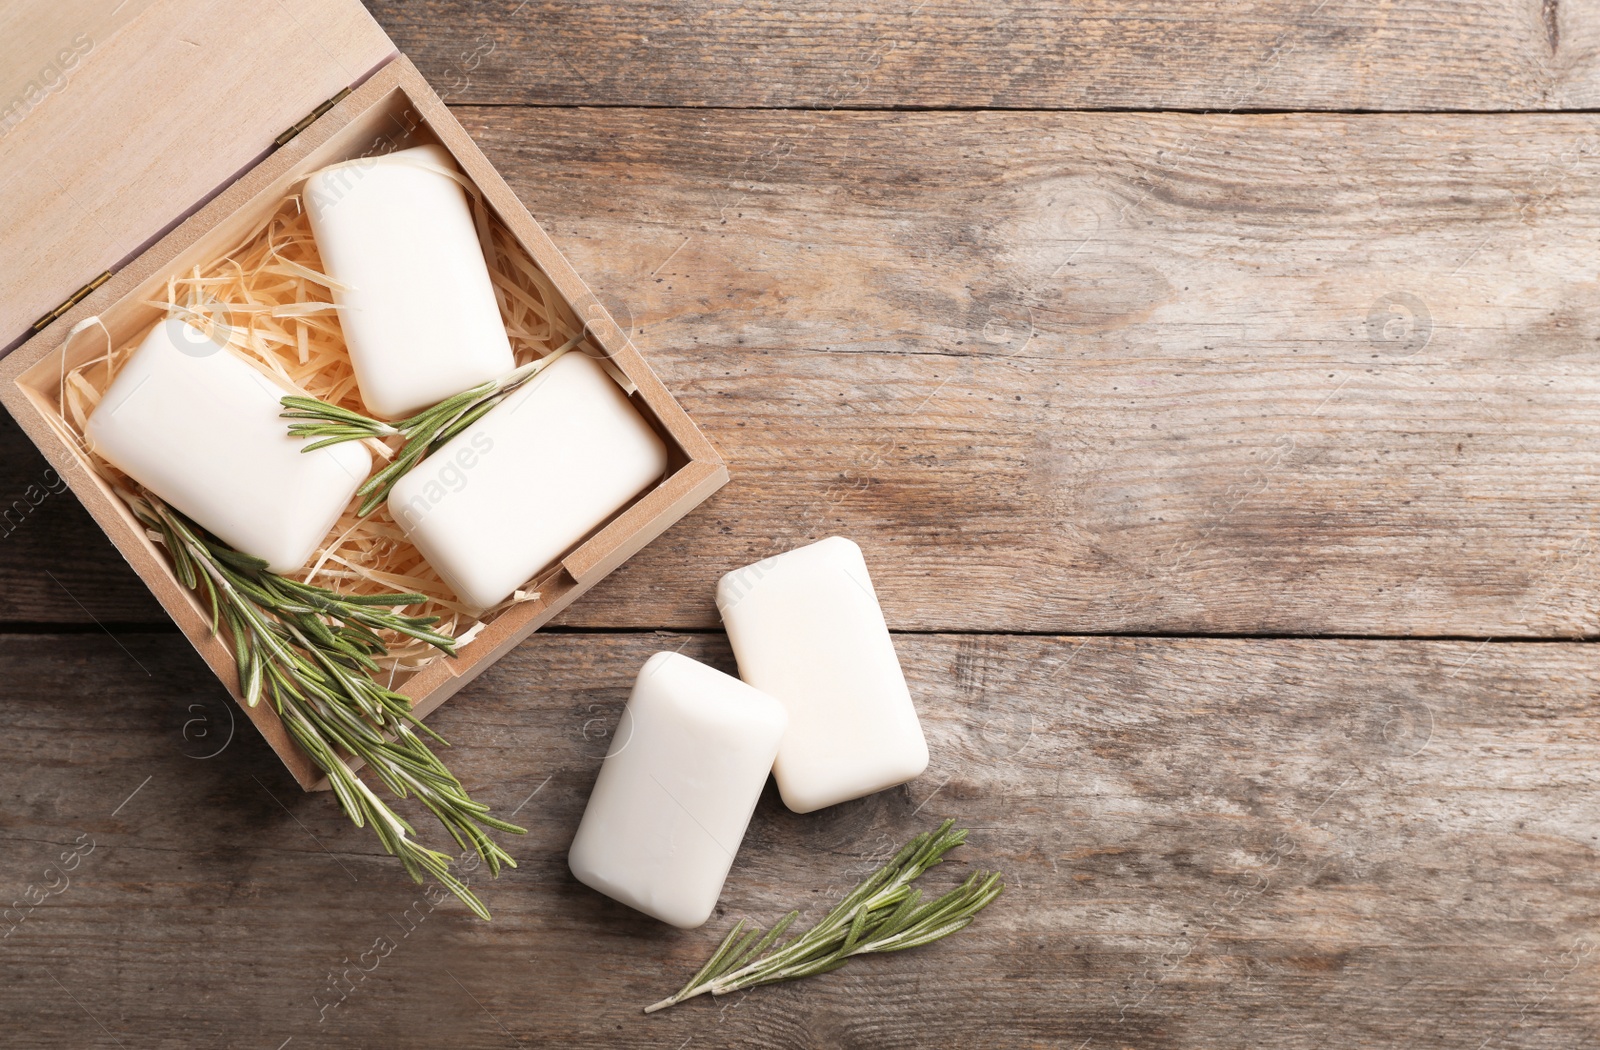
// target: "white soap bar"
[[806, 627], [199, 426], [686, 767], [417, 306], [507, 496]]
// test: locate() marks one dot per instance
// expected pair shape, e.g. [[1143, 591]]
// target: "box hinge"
[[73, 300], [310, 118]]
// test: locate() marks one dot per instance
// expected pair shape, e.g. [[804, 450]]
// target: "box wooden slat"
[[120, 119]]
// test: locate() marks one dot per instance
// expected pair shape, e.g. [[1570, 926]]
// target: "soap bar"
[[686, 767], [416, 304], [198, 426], [507, 496], [806, 628]]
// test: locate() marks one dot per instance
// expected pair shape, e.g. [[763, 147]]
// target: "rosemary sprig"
[[313, 652], [423, 432], [883, 914]]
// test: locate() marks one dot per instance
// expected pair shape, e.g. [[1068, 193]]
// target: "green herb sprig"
[[423, 432], [314, 652], [883, 914]]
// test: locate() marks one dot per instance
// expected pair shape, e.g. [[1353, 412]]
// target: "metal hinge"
[[310, 118], [73, 300]]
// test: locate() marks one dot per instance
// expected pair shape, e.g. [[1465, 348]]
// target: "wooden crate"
[[391, 107]]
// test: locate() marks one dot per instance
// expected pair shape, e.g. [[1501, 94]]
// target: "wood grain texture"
[[1278, 373], [1091, 54], [1070, 372], [1208, 843]]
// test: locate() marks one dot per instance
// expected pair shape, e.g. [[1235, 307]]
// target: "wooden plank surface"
[[1072, 380], [1077, 372], [1283, 843], [1090, 54]]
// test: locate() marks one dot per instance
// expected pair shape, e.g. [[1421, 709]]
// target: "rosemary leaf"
[[423, 432], [312, 651], [882, 914]]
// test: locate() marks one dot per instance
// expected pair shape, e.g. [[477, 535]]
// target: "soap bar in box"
[[507, 496], [199, 426], [416, 303], [686, 767], [806, 628]]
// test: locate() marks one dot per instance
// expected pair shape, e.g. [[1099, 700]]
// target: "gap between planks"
[[1121, 111], [25, 629]]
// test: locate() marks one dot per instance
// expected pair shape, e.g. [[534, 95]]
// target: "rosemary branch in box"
[[314, 653], [423, 432], [883, 914]]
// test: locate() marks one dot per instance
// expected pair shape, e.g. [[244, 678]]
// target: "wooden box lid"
[[117, 120]]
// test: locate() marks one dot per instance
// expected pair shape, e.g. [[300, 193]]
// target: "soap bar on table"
[[508, 495], [675, 794], [806, 628], [198, 426], [416, 304]]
